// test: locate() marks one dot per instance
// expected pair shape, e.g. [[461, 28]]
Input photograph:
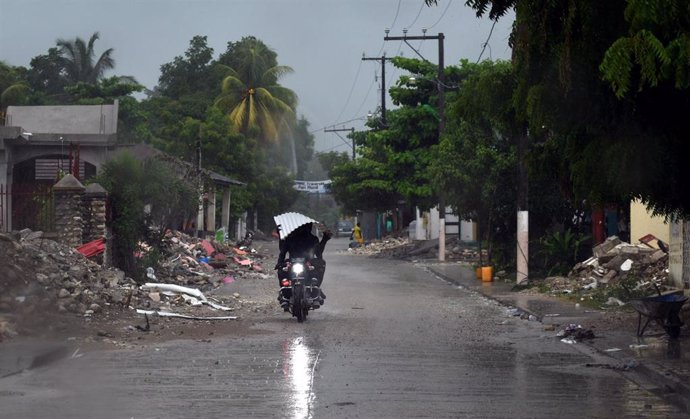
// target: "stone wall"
[[69, 223], [81, 214]]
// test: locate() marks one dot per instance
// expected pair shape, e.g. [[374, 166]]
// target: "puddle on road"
[[299, 363]]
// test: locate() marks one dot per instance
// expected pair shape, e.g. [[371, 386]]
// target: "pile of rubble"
[[639, 269], [404, 248], [40, 276]]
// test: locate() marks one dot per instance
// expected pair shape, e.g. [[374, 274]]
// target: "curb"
[[669, 385]]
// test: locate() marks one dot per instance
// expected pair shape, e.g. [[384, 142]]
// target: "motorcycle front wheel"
[[298, 303]]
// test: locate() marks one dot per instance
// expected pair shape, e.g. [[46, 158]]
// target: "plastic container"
[[479, 273], [487, 273]]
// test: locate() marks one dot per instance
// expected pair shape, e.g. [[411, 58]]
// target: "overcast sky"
[[322, 40]]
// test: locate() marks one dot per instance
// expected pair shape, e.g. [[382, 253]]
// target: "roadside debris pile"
[[574, 333], [403, 248], [638, 270], [41, 276]]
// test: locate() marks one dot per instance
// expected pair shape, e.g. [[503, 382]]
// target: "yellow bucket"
[[479, 273], [487, 273]]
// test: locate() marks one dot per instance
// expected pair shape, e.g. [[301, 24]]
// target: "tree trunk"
[[685, 275]]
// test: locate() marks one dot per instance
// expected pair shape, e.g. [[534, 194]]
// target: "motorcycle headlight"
[[298, 268]]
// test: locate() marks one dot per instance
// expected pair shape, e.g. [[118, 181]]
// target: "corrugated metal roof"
[[290, 221]]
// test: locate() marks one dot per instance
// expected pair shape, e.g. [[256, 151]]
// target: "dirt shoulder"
[[52, 292]]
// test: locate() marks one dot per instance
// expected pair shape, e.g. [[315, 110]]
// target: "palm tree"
[[78, 60], [254, 101]]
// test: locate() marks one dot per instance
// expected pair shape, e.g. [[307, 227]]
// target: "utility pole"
[[440, 83], [200, 185], [382, 59], [337, 130]]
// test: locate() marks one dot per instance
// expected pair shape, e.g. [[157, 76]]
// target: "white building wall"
[[426, 226]]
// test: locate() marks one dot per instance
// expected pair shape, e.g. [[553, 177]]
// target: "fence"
[[27, 206]]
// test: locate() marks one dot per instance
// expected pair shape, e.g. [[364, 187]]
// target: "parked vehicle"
[[246, 242], [344, 228], [299, 287]]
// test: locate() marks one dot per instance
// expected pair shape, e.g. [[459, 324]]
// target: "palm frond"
[[14, 94], [283, 93], [232, 83], [275, 73]]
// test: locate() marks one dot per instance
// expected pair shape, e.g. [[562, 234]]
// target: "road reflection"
[[299, 363]]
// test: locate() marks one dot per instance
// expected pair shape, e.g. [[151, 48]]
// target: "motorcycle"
[[298, 286], [246, 243]]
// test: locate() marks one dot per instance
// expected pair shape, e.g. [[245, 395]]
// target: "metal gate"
[[27, 206]]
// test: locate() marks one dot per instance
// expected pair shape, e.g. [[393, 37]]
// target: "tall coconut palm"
[[254, 101], [79, 63]]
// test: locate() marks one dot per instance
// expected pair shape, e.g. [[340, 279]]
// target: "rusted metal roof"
[[290, 221]]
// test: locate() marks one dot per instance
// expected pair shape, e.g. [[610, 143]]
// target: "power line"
[[352, 88], [360, 118], [442, 15], [367, 95], [417, 17], [354, 83], [487, 41]]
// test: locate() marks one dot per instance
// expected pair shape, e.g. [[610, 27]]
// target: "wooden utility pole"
[[337, 130], [382, 59], [440, 84]]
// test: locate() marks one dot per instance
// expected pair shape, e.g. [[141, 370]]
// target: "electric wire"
[[360, 118], [416, 17], [352, 89], [395, 19], [371, 85], [442, 15], [354, 83], [488, 38]]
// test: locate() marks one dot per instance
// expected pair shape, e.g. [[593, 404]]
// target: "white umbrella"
[[291, 221]]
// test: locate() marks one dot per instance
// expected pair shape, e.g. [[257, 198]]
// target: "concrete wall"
[[426, 226], [72, 119], [643, 223]]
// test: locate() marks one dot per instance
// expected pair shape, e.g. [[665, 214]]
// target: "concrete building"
[[39, 143]]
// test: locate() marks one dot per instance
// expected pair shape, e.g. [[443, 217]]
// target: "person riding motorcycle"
[[301, 243]]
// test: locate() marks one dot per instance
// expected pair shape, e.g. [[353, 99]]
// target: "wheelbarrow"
[[664, 309]]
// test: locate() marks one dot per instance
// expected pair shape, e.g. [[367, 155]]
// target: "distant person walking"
[[357, 235]]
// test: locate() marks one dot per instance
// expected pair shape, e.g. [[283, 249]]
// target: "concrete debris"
[[404, 248], [615, 263], [185, 316], [40, 276]]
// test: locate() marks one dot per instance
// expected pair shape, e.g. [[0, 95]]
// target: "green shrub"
[[146, 198], [561, 250]]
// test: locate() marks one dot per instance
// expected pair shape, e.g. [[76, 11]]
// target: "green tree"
[[190, 76], [79, 60], [331, 159], [14, 90], [607, 81], [393, 163], [46, 74], [146, 198]]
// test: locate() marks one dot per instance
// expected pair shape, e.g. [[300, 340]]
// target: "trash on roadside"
[[185, 316], [614, 301], [191, 295], [576, 332]]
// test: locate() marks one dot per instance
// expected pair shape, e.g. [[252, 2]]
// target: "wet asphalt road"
[[392, 341]]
